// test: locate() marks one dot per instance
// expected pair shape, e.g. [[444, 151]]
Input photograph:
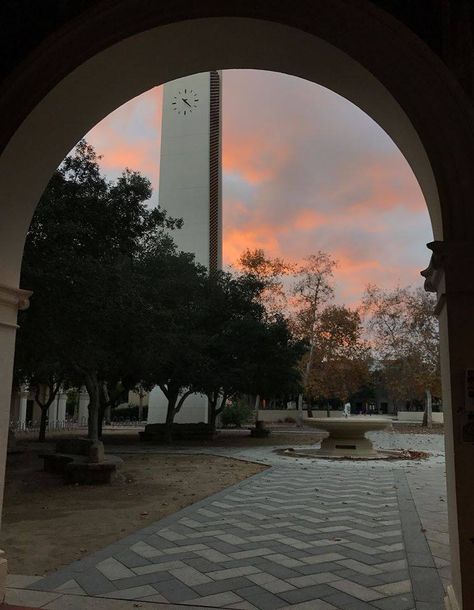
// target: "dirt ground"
[[418, 429], [47, 524]]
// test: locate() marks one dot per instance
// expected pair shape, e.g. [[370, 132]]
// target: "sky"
[[303, 170]]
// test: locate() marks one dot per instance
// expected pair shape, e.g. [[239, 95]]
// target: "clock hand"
[[186, 102]]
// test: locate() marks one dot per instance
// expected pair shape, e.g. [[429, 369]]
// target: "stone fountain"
[[347, 436]]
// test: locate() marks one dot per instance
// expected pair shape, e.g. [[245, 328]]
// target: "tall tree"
[[270, 273], [312, 290], [341, 357], [405, 336], [232, 302], [83, 249]]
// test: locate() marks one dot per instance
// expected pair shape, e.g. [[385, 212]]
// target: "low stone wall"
[[416, 417], [276, 415], [324, 413]]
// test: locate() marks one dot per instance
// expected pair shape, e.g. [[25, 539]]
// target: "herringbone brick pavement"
[[300, 537]]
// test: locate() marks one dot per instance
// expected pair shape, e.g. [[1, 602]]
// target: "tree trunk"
[[140, 405], [428, 414], [42, 430], [257, 406], [211, 410], [212, 419], [214, 409], [44, 406], [299, 418], [92, 385], [170, 419]]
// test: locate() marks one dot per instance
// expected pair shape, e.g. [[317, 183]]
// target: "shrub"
[[236, 414]]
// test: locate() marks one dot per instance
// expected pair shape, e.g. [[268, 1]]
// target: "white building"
[[190, 164], [190, 188]]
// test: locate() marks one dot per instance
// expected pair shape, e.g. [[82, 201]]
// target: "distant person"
[[347, 409]]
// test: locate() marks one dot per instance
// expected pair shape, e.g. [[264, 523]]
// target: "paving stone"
[[306, 593], [343, 601], [262, 599], [394, 576], [175, 591], [399, 602], [15, 597], [430, 606], [427, 585], [218, 600], [422, 560], [20, 581], [133, 593], [313, 579], [94, 582], [229, 584], [395, 588], [156, 597], [130, 559], [358, 566], [190, 576], [315, 604], [232, 573], [143, 579], [323, 558], [144, 549], [277, 570], [360, 579], [203, 565], [365, 594], [164, 566], [71, 587]]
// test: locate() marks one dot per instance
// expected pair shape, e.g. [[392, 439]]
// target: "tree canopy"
[[115, 305]]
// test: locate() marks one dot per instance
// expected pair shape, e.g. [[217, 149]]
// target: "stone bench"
[[81, 461], [158, 432]]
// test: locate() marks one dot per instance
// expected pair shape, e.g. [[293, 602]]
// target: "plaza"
[[303, 533]]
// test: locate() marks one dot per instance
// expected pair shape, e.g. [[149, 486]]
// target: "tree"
[[174, 290], [405, 335], [340, 364], [311, 291], [270, 273], [83, 258], [232, 303]]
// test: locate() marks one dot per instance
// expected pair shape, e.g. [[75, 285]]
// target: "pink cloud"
[[303, 170]]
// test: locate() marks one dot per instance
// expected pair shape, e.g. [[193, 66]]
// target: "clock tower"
[[190, 188], [190, 165]]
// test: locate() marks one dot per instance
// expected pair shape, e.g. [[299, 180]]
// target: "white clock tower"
[[190, 166], [190, 188]]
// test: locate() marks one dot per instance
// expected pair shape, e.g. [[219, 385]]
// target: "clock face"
[[185, 102]]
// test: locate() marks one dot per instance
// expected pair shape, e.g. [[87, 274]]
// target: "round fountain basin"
[[347, 435]]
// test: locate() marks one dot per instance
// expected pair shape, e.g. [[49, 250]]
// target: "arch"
[[386, 87], [120, 48]]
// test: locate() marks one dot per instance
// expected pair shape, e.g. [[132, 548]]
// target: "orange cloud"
[[237, 240], [253, 157], [308, 219]]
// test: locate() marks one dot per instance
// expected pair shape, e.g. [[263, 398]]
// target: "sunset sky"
[[303, 170]]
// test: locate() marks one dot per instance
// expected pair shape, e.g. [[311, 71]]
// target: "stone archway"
[[114, 52]]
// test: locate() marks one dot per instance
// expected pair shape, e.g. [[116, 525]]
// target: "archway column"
[[83, 413], [11, 299], [24, 393], [451, 275]]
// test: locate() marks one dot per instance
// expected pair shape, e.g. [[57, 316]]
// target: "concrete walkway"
[[305, 534]]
